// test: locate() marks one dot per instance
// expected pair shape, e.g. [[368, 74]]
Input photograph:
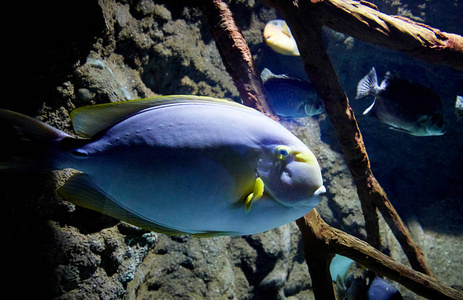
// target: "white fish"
[[176, 164], [278, 36]]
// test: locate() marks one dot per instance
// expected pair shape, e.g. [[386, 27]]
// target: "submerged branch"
[[306, 25], [363, 21], [325, 240], [236, 55]]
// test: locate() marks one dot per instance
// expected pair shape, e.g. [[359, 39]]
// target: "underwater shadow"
[[32, 251], [421, 180]]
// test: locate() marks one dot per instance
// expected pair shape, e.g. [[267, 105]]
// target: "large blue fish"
[[177, 164]]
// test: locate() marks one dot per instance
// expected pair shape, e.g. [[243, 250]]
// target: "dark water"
[[422, 176]]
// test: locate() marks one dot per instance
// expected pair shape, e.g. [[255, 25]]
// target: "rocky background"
[[79, 52]]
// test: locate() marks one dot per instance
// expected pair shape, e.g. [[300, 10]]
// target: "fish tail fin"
[[367, 85], [28, 144]]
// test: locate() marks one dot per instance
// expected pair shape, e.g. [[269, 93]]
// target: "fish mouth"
[[435, 131], [320, 190], [435, 125]]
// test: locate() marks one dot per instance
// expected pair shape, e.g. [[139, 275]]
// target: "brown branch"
[[366, 23], [317, 254], [303, 19], [236, 55], [325, 240]]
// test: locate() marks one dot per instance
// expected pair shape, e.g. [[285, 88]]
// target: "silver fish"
[[176, 164], [405, 106]]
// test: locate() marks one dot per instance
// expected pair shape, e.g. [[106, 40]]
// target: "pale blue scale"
[[188, 165]]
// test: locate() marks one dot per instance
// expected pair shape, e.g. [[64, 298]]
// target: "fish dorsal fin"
[[266, 74], [89, 120], [284, 76]]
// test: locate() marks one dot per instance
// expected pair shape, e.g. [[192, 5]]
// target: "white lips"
[[320, 190]]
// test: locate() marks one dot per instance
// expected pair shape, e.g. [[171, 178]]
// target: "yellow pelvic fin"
[[256, 194]]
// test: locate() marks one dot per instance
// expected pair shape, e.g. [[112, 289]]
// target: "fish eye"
[[282, 152]]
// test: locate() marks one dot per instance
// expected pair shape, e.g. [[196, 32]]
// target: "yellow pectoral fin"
[[256, 194]]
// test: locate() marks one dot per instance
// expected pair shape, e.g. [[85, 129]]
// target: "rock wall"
[[88, 52]]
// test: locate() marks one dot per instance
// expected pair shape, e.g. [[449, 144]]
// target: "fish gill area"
[[77, 53]]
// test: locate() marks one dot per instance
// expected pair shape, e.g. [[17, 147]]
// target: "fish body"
[[405, 106], [278, 36], [291, 97], [380, 289], [181, 164], [459, 108]]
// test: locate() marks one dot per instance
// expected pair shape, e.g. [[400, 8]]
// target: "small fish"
[[380, 289], [459, 108], [352, 286], [291, 97], [174, 164], [339, 266], [278, 36], [405, 106]]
